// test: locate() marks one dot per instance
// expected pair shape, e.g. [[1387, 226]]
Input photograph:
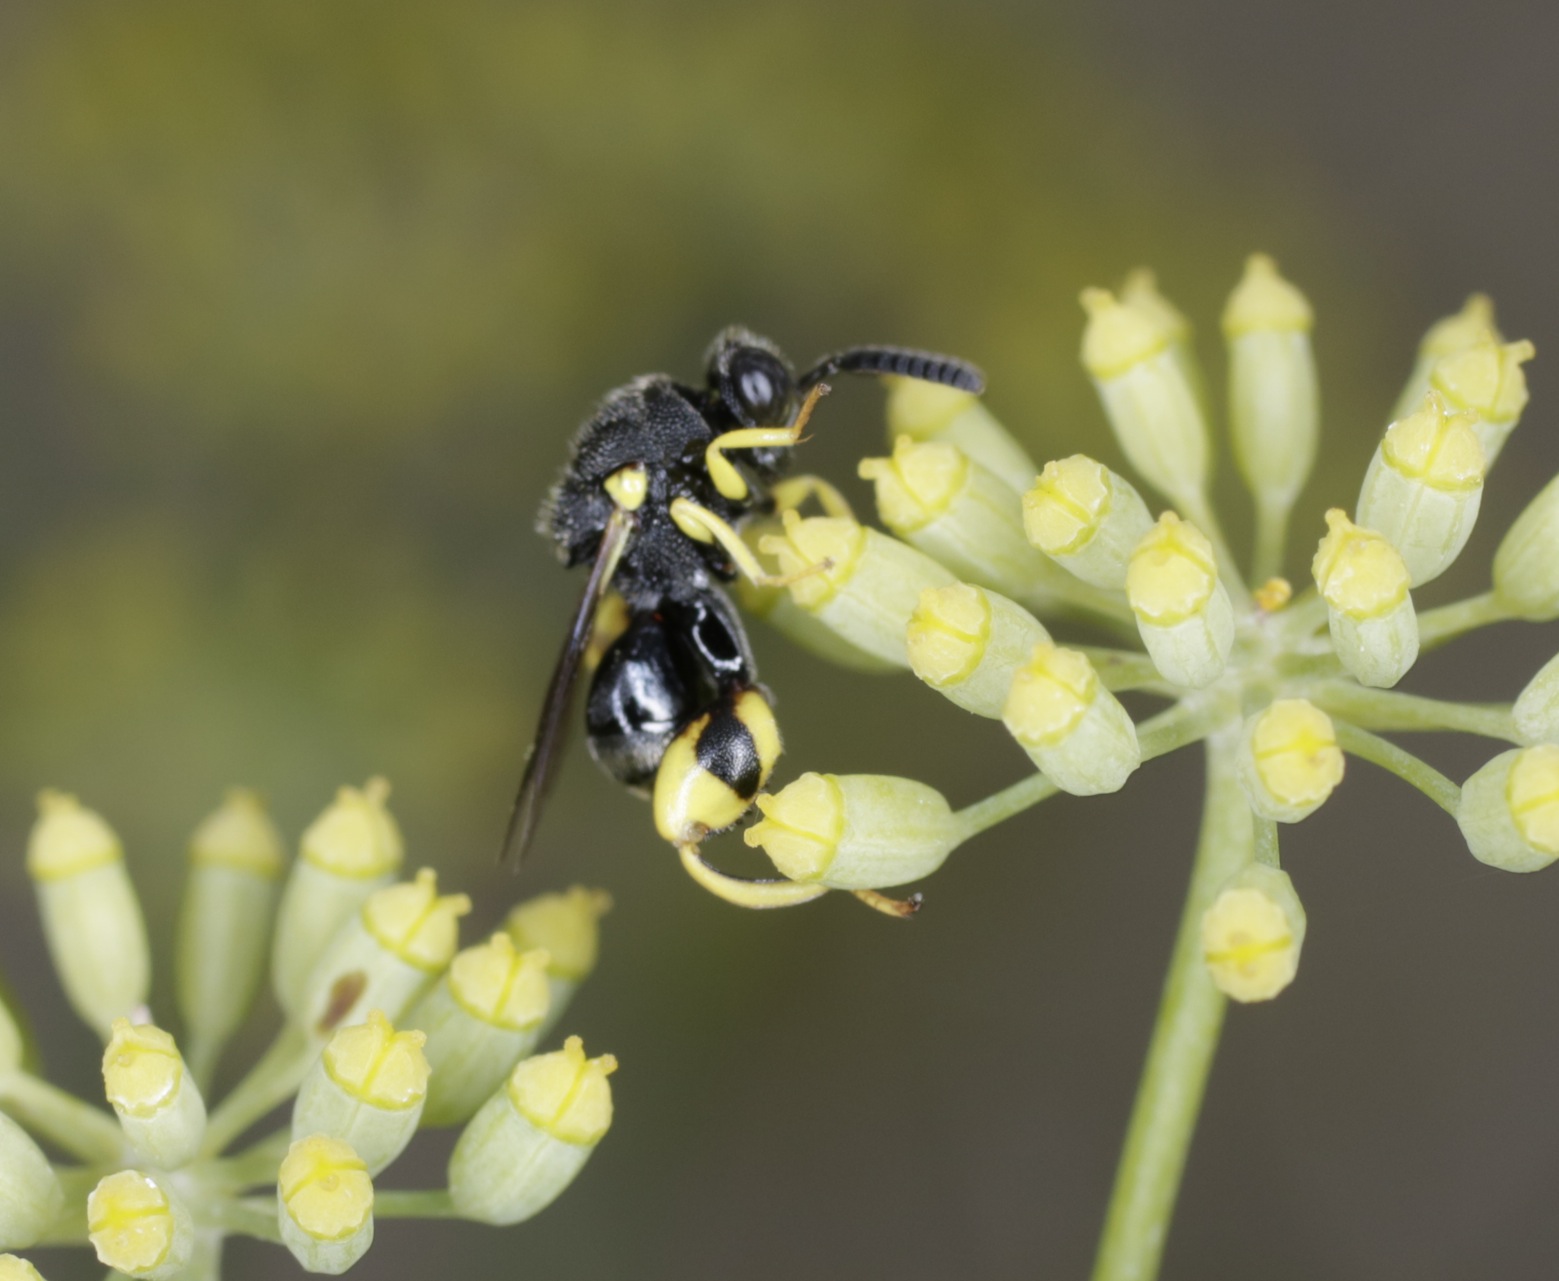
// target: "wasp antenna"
[[926, 366]]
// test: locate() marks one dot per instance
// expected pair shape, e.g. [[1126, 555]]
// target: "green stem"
[[1271, 538], [1436, 626], [1002, 805], [1185, 1037], [270, 1081], [1380, 751], [1266, 841], [75, 1126], [256, 1164], [1183, 723], [397, 1204], [201, 1058], [250, 1216], [1388, 710]]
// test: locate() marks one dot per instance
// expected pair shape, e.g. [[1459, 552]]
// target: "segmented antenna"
[[927, 366]]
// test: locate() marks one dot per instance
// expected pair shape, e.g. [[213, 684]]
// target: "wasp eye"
[[761, 387]]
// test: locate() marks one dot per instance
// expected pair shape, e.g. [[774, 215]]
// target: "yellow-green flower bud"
[[1252, 934], [366, 1088], [482, 1018], [968, 643], [1509, 811], [1290, 761], [567, 928], [527, 1142], [1086, 519], [1364, 582], [30, 1194], [1140, 292], [1073, 729], [13, 1268], [1274, 396], [1526, 566], [1146, 397], [325, 1204], [1486, 380], [855, 831], [386, 956], [159, 1105], [1182, 608], [139, 1227], [1473, 324], [1424, 486], [91, 916], [868, 586], [929, 411], [939, 501], [1536, 710], [352, 849], [776, 608], [225, 921]]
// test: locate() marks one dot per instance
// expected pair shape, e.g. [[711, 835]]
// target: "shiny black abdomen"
[[671, 665]]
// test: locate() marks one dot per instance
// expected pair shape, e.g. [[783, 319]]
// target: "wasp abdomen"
[[714, 768]]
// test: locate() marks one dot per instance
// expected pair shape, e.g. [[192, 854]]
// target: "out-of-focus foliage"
[[300, 302]]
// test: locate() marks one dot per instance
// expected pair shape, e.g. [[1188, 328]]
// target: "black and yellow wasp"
[[659, 481]]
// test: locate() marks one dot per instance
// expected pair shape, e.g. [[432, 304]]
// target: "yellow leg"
[[744, 892], [725, 476], [790, 494], [703, 526]]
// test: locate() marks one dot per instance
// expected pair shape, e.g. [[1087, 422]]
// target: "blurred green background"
[[299, 304]]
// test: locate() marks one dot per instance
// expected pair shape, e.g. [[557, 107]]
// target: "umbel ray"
[[659, 483]]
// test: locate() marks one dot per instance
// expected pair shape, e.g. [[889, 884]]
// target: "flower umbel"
[[1280, 680], [156, 1187]]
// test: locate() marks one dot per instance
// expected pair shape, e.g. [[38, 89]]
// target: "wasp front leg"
[[726, 478], [703, 526]]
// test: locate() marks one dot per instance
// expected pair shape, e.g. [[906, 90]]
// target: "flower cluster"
[[1281, 685], [389, 1028]]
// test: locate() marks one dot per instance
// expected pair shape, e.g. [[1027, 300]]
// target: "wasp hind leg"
[[707, 781]]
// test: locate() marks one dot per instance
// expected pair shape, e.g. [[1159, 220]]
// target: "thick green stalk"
[[1185, 1037]]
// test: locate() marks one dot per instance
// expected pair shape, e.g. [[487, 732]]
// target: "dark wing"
[[927, 366], [546, 747]]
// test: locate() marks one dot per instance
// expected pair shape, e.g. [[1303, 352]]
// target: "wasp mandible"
[[659, 481]]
